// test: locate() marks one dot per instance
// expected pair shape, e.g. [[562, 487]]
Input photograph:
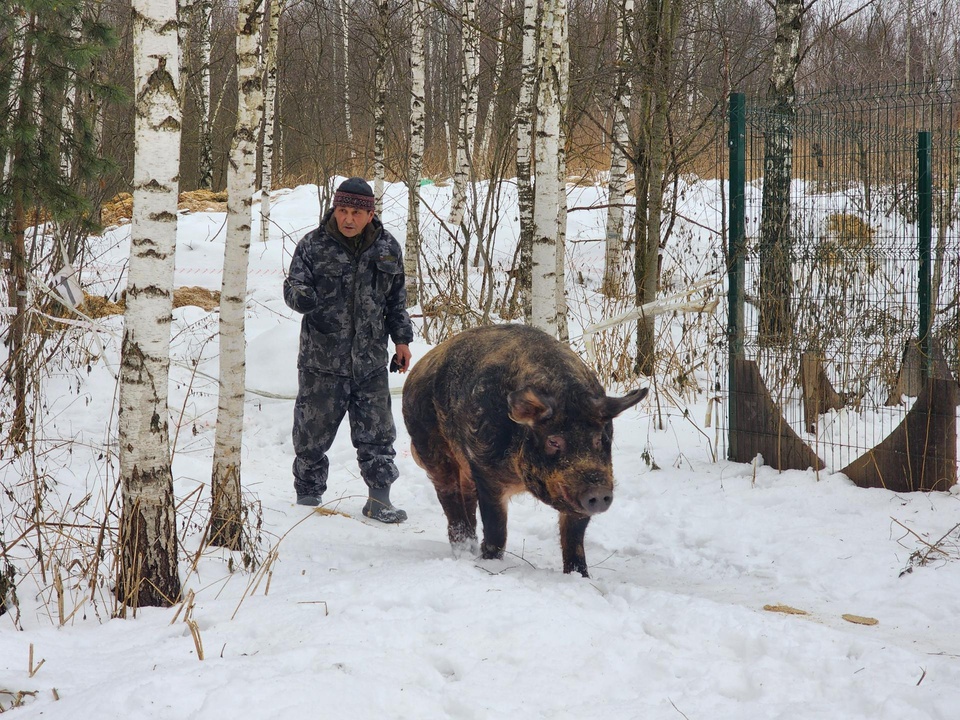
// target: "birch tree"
[[345, 75], [226, 513], [619, 144], [563, 84], [148, 540], [467, 125], [380, 105], [204, 22], [526, 118], [775, 238], [411, 256], [547, 187], [269, 105]]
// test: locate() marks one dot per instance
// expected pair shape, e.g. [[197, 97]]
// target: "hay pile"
[[97, 306], [119, 209]]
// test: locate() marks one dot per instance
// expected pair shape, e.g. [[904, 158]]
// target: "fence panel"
[[832, 298]]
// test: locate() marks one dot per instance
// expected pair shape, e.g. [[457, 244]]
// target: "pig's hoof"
[[490, 552], [468, 547]]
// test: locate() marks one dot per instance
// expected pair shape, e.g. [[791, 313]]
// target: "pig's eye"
[[555, 445]]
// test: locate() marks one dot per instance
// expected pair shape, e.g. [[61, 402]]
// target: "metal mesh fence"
[[839, 349]]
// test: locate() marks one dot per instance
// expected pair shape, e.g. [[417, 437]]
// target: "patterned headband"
[[361, 202]]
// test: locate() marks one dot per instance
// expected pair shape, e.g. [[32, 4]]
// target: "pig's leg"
[[572, 529], [493, 513], [458, 498]]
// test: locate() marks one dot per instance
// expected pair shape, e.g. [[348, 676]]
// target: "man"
[[346, 277]]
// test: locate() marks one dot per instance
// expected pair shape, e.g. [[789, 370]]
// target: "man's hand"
[[403, 358]]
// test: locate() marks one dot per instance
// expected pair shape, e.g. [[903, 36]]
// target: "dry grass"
[[198, 296], [119, 209], [97, 306]]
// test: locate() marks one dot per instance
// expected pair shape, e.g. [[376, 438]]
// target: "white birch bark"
[[776, 283], [467, 124], [620, 138], [204, 103], [526, 117], [380, 106], [269, 104], [411, 255], [148, 562], [563, 83], [543, 289], [226, 521], [345, 46]]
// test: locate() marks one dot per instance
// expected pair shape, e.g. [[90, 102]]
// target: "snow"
[[347, 618]]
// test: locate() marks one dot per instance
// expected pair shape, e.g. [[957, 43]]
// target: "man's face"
[[351, 220]]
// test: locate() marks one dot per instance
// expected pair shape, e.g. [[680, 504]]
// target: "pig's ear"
[[528, 407], [610, 407]]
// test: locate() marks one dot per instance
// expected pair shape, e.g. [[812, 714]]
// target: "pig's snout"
[[596, 500]]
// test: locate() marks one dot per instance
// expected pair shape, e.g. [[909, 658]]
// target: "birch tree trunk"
[[526, 118], [204, 104], [467, 126], [620, 140], [226, 513], [148, 531], [345, 46], [411, 256], [547, 185], [269, 104], [776, 282], [380, 105], [563, 81]]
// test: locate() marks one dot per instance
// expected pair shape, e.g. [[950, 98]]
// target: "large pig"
[[504, 409]]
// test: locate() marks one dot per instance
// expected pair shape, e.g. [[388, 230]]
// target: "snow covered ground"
[[694, 569]]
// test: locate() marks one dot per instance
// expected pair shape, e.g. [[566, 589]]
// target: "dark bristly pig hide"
[[505, 409]]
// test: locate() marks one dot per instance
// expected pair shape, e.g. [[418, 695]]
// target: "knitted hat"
[[356, 193]]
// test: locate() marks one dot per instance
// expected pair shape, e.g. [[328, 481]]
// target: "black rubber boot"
[[378, 507], [311, 500]]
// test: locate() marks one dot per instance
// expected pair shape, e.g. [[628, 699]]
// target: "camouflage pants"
[[322, 401]]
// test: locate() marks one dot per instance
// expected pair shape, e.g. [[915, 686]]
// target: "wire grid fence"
[[852, 295]]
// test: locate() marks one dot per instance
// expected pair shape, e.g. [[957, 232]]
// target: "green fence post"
[[736, 139], [924, 234]]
